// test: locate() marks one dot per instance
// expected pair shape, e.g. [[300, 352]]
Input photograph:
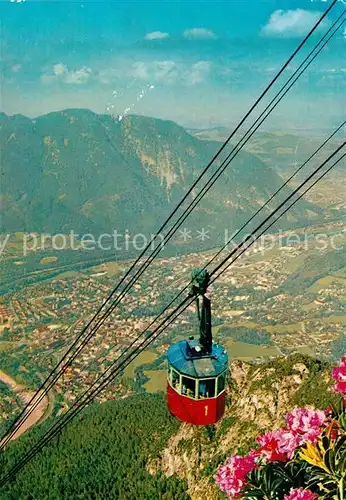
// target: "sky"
[[199, 63]]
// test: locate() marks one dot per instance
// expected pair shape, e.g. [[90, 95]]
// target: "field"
[[294, 264], [48, 260], [67, 274], [275, 329], [309, 307], [157, 382], [247, 352], [5, 346], [326, 282], [306, 350], [143, 358], [334, 319]]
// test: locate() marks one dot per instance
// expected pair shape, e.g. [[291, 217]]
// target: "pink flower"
[[303, 425], [288, 442], [231, 477], [269, 449], [339, 375], [340, 387], [306, 423], [278, 446], [300, 494]]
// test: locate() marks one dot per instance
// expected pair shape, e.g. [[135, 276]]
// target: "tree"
[[339, 346]]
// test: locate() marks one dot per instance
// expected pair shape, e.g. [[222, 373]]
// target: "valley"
[[21, 396], [141, 142], [285, 295]]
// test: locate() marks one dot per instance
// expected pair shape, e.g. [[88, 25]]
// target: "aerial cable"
[[239, 230], [259, 122], [295, 191], [186, 302], [148, 341], [286, 210], [22, 417], [191, 299]]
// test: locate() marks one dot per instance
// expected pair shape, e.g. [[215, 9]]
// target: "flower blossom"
[[339, 375], [278, 446], [288, 441], [231, 477], [300, 494], [306, 423], [269, 449]]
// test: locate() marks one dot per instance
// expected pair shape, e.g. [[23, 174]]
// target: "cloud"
[[200, 33], [16, 68], [291, 23], [170, 72], [78, 77], [198, 72], [61, 73], [153, 70], [60, 69], [156, 35], [166, 71]]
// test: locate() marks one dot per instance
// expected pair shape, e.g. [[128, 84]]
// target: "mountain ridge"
[[77, 170]]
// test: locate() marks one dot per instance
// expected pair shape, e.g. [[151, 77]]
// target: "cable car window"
[[206, 388], [188, 387], [175, 380], [221, 382]]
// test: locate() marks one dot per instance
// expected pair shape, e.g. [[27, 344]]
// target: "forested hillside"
[[132, 449], [101, 455]]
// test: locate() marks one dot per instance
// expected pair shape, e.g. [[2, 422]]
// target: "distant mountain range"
[[76, 170], [285, 152]]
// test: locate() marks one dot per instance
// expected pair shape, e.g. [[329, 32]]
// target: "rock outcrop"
[[257, 400]]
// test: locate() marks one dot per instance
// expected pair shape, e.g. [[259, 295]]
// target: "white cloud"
[[59, 69], [292, 23], [78, 77], [153, 70], [61, 73], [16, 68], [163, 69], [140, 70], [170, 72], [198, 72], [156, 35], [199, 33]]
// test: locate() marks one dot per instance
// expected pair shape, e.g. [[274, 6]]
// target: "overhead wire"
[[42, 391], [185, 303]]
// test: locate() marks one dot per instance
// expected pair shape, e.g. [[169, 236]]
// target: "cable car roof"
[[184, 357]]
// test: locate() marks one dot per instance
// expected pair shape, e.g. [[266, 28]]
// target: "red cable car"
[[197, 369]]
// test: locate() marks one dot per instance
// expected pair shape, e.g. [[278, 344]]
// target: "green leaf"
[[329, 460]]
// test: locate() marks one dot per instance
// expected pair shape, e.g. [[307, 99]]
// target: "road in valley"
[[25, 395]]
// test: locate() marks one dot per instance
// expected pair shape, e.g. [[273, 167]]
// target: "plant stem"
[[341, 488]]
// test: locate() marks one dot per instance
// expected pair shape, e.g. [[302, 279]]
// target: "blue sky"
[[199, 63]]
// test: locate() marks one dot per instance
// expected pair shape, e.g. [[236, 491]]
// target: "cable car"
[[197, 369]]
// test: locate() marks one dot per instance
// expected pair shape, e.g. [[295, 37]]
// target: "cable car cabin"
[[197, 369], [196, 382]]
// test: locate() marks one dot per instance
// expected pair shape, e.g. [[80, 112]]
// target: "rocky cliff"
[[258, 397]]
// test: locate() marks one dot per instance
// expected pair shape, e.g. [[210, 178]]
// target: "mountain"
[[283, 152], [76, 170], [102, 455], [132, 448]]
